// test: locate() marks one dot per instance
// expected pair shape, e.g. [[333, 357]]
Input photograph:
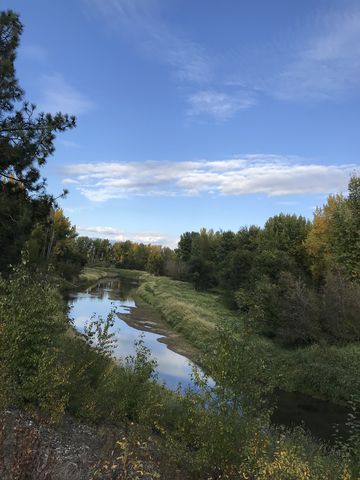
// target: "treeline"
[[293, 280], [152, 258]]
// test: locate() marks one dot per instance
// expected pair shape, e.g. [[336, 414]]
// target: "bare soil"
[[32, 449]]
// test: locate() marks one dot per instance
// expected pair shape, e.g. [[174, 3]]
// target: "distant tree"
[[287, 234], [340, 308], [201, 273], [54, 244], [26, 141], [176, 268], [203, 245], [122, 252], [236, 269], [287, 310], [85, 248], [185, 245], [334, 237], [155, 262], [225, 245]]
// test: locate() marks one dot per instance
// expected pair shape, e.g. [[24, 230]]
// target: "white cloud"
[[115, 234], [272, 175], [70, 181], [218, 105], [59, 96]]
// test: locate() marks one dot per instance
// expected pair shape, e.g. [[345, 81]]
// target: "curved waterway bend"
[[131, 322], [172, 353]]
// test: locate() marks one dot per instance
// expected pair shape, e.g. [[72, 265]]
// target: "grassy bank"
[[88, 277], [327, 372], [93, 274], [193, 314]]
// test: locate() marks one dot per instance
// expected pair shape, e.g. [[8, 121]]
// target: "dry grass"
[[194, 314], [93, 274]]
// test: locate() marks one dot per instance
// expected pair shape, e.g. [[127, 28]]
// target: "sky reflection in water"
[[172, 368]]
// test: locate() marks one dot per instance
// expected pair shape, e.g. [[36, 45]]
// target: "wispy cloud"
[[141, 20], [272, 175], [318, 61], [70, 144], [218, 105], [60, 96], [70, 181], [328, 63], [115, 234]]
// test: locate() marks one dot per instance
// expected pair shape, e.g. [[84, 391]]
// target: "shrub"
[[32, 322], [340, 308]]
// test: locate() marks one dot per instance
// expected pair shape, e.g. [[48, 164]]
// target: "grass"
[[193, 314], [94, 273], [327, 372]]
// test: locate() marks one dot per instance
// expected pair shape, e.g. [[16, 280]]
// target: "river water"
[[131, 321], [174, 368]]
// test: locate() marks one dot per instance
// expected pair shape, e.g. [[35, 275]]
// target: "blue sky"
[[194, 114]]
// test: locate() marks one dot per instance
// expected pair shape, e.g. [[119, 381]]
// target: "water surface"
[[320, 417], [172, 368]]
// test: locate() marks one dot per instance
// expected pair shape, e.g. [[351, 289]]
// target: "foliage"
[[286, 310], [287, 234], [53, 244], [323, 370], [155, 262], [110, 391], [32, 321], [216, 439], [130, 458], [295, 314], [340, 308], [43, 363], [26, 141], [98, 334], [335, 233]]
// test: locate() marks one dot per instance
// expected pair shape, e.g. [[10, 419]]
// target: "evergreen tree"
[[26, 141]]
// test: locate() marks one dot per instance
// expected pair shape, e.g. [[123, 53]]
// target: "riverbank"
[[196, 433], [88, 277], [73, 450], [323, 371], [91, 275]]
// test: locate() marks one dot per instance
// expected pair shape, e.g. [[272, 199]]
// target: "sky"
[[194, 114]]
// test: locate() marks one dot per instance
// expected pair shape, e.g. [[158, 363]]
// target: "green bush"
[[32, 321]]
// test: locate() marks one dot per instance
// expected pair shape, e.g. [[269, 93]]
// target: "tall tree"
[[26, 141], [334, 238]]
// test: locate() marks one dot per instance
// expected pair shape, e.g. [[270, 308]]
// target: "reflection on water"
[[319, 416], [292, 408], [172, 368]]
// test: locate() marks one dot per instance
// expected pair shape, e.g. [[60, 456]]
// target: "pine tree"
[[26, 142]]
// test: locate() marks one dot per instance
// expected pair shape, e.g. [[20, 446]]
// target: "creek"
[[172, 356]]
